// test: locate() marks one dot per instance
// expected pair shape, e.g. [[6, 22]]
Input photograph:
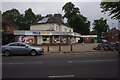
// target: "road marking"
[[91, 61], [61, 76], [24, 63], [21, 56]]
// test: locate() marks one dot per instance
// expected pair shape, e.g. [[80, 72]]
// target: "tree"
[[100, 26], [0, 12], [38, 17], [48, 15], [70, 9], [12, 15], [0, 16], [78, 22], [29, 17], [22, 20], [112, 7]]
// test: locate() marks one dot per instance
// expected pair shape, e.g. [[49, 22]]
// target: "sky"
[[91, 10]]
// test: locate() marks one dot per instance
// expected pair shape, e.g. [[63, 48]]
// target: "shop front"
[[46, 37]]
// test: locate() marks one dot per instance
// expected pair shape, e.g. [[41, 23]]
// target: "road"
[[61, 66]]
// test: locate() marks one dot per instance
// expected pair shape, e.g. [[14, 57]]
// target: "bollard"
[[48, 48], [59, 47], [71, 47]]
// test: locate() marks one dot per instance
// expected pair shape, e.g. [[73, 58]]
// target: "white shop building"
[[49, 30]]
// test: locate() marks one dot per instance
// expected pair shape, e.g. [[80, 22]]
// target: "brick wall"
[[113, 39], [88, 40]]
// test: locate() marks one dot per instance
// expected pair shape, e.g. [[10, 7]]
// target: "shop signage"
[[40, 33], [27, 39], [22, 38], [44, 33], [35, 32]]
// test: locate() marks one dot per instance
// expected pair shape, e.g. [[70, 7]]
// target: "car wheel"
[[6, 53], [33, 53]]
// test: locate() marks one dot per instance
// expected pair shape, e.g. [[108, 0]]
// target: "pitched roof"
[[57, 18], [44, 20], [113, 31]]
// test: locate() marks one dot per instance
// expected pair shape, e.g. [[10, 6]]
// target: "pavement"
[[82, 53]]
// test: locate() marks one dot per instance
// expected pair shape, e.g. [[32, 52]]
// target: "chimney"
[[58, 16]]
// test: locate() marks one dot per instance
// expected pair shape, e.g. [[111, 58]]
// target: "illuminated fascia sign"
[[41, 33], [36, 33], [44, 33]]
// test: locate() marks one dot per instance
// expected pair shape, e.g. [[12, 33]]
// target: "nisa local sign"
[[40, 33], [35, 33]]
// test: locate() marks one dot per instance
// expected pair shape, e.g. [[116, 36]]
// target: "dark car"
[[105, 46], [21, 48]]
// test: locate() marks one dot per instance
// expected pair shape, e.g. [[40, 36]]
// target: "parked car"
[[117, 46], [119, 53], [21, 48], [105, 46]]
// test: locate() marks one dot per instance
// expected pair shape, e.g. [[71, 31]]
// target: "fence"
[[70, 48]]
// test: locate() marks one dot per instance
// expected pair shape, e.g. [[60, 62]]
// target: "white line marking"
[[24, 63], [19, 57], [92, 61], [61, 76]]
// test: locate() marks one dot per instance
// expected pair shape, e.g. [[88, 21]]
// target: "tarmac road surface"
[[61, 66]]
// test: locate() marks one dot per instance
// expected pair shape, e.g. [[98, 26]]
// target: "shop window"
[[46, 39], [63, 39], [56, 28], [56, 39]]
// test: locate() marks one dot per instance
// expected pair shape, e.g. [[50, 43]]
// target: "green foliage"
[[75, 20], [11, 15], [22, 20], [93, 32], [0, 16], [0, 12], [48, 15], [112, 7], [100, 26], [30, 16]]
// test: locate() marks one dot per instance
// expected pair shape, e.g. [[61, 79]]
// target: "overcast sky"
[[91, 10]]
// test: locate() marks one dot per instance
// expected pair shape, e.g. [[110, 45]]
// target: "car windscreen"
[[28, 44]]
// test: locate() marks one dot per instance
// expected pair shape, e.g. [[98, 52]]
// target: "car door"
[[23, 49], [14, 48]]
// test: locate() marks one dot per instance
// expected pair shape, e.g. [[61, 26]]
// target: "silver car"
[[21, 48]]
